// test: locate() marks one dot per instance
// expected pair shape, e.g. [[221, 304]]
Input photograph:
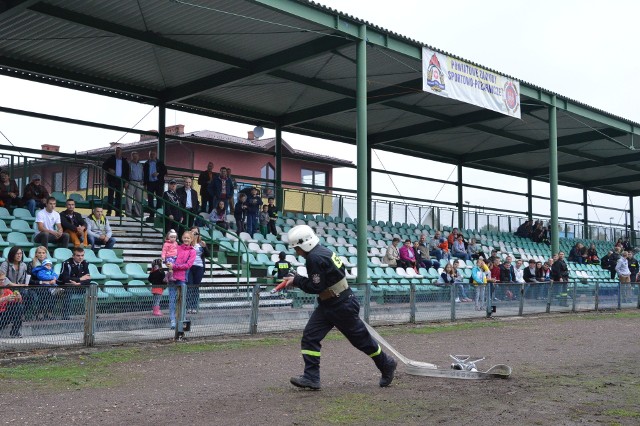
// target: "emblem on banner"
[[510, 97], [435, 78]]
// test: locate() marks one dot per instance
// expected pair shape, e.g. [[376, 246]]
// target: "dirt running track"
[[567, 369]]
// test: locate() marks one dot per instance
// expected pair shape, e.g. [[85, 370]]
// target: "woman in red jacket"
[[184, 260]]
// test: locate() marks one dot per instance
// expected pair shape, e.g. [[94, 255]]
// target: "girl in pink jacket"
[[186, 254]]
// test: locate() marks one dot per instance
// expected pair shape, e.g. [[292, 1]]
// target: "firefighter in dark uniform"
[[337, 307]]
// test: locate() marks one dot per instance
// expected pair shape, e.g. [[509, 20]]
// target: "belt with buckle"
[[333, 291]]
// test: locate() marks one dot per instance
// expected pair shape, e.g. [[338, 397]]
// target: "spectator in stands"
[[196, 272], [117, 169], [459, 281], [98, 230], [492, 257], [73, 273], [221, 188], [234, 186], [447, 276], [424, 254], [219, 216], [605, 262], [157, 279], [11, 308], [15, 269], [619, 244], [495, 278], [240, 213], [133, 201], [184, 261], [529, 274], [473, 251], [459, 250], [444, 248], [392, 254], [519, 276], [453, 236], [49, 226], [8, 191], [633, 266], [543, 274], [613, 260], [282, 267], [264, 220], [273, 216], [74, 225], [253, 211], [479, 282], [189, 201], [507, 275], [43, 291], [204, 179], [434, 246], [592, 255], [407, 255], [626, 245], [575, 255], [560, 273], [624, 276], [35, 195], [172, 208], [524, 230], [417, 251], [154, 172]]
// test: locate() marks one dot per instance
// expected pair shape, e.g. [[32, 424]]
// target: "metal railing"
[[115, 313]]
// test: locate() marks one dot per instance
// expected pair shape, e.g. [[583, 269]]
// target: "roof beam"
[[263, 65], [420, 129], [608, 161], [137, 35], [11, 8], [346, 104], [611, 181], [80, 79]]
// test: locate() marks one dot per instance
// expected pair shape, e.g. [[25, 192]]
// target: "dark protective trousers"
[[343, 315]]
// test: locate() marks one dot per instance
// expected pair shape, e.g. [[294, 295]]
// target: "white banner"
[[445, 76]]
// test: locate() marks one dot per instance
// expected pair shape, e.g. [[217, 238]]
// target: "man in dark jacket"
[[74, 225], [172, 209], [154, 172], [35, 195], [73, 273], [560, 273], [189, 201], [220, 188], [204, 179], [117, 171]]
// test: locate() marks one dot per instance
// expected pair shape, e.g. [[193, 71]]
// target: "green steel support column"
[[530, 198], [632, 222], [279, 191], [362, 149], [553, 175], [162, 124], [585, 213], [369, 213], [460, 200]]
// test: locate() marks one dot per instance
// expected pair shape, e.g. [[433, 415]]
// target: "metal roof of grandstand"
[[292, 62]]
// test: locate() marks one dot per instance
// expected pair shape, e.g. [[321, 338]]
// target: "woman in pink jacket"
[[184, 261]]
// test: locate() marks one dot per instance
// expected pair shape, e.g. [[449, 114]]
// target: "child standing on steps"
[[170, 251], [264, 220], [157, 280]]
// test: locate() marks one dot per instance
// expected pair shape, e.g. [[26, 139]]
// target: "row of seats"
[[62, 254]]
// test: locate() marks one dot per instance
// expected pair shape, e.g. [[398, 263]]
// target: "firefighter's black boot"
[[304, 383], [387, 366]]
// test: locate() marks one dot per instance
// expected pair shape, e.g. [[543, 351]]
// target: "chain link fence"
[[66, 316]]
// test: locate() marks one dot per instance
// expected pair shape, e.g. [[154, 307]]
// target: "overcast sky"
[[580, 49]]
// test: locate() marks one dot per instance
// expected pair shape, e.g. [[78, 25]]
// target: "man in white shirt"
[[136, 185], [624, 275], [49, 226]]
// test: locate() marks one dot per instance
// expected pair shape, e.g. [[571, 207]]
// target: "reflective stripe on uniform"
[[376, 353], [314, 353]]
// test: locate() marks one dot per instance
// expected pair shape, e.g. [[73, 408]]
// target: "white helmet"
[[303, 236]]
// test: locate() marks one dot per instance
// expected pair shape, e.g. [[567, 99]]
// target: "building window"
[[83, 179], [57, 182], [313, 177]]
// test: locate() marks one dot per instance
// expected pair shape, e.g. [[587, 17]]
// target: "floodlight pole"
[[162, 124], [362, 151], [553, 175], [279, 190]]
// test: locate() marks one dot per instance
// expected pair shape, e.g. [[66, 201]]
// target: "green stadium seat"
[[95, 274], [115, 289], [109, 256], [139, 288], [4, 214], [113, 272], [4, 229], [135, 271], [23, 214], [91, 257], [19, 225], [19, 239], [62, 254], [3, 243]]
